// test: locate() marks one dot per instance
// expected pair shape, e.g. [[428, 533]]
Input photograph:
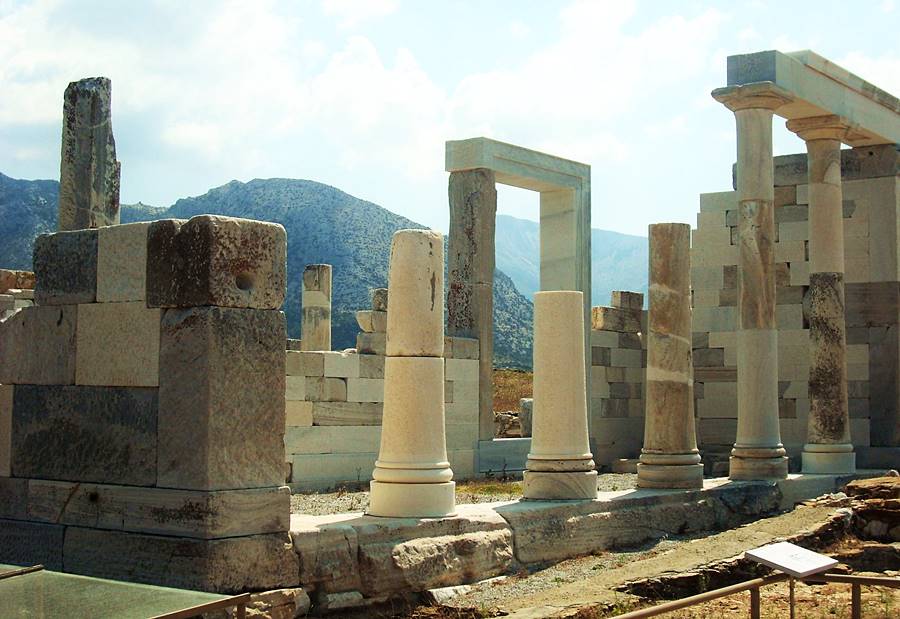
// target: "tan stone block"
[[371, 344], [461, 369], [331, 439], [615, 319], [325, 389], [787, 372], [711, 219], [793, 231], [304, 363], [365, 390], [860, 432], [462, 461], [799, 274], [790, 251], [341, 364], [717, 431], [122, 263], [789, 316], [461, 412], [856, 228], [347, 413], [793, 355], [615, 375], [462, 436], [857, 353], [465, 390], [625, 358], [448, 392], [634, 374], [371, 321], [719, 201], [604, 339], [626, 299], [706, 298], [714, 319], [298, 413], [295, 388], [856, 270], [803, 194], [117, 345], [6, 408], [717, 408], [37, 346], [463, 347], [321, 471], [721, 391], [371, 366], [858, 371]]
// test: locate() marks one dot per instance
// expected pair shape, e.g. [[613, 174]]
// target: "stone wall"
[[141, 410], [618, 366], [16, 291], [334, 404], [872, 267]]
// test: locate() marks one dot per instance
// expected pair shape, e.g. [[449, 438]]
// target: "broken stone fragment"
[[371, 321]]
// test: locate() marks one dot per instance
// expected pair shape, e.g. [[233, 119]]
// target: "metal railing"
[[856, 583]]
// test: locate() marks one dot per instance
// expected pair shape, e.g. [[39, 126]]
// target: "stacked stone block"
[[618, 365], [141, 415], [372, 340], [870, 215], [334, 403], [16, 291]]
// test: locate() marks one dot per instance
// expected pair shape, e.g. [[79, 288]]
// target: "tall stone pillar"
[[412, 476], [758, 452], [88, 170], [670, 458], [316, 300], [828, 448], [560, 464], [470, 268]]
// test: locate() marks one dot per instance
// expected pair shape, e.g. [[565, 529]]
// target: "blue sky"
[[362, 94]]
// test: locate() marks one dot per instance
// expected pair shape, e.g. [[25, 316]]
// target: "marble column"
[[758, 453], [560, 464], [315, 324], [470, 269], [670, 458], [828, 448], [412, 477], [88, 171]]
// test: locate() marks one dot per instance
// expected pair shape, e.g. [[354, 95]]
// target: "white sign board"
[[791, 559]]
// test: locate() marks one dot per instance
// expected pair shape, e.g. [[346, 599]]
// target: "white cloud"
[[352, 13], [882, 71]]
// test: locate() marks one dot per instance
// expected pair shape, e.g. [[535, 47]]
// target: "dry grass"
[[509, 387]]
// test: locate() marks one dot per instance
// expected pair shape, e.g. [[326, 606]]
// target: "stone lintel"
[[818, 87]]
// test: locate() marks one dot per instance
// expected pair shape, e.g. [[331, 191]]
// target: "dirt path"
[[590, 581]]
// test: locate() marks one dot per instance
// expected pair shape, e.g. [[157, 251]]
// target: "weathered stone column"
[[669, 458], [828, 448], [316, 300], [560, 464], [412, 476], [470, 268], [758, 452], [88, 170]]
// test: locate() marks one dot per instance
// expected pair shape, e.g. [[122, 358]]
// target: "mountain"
[[323, 224], [619, 261]]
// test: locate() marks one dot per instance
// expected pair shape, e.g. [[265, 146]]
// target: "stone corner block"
[[221, 398], [212, 260], [117, 345], [65, 268]]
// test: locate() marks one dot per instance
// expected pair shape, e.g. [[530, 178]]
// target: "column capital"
[[828, 127], [760, 95]]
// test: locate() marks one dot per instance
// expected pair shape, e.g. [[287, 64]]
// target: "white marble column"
[[560, 464], [412, 477], [670, 458], [758, 452], [828, 448], [315, 325]]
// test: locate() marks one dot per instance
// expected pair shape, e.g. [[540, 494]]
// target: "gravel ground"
[[477, 491]]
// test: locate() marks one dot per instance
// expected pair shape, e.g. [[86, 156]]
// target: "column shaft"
[[315, 323], [669, 458], [828, 448], [758, 452], [560, 464]]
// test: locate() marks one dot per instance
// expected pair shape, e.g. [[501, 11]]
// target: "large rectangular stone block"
[[85, 434], [162, 511], [31, 543], [332, 439], [213, 260], [347, 413], [65, 268], [122, 263], [233, 565], [117, 345], [37, 346], [221, 398]]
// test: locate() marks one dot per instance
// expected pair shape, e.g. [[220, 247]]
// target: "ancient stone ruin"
[[155, 419]]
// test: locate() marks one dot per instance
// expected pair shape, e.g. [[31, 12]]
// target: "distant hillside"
[[324, 225], [619, 261]]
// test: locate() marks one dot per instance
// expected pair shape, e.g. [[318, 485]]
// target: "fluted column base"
[[412, 500], [559, 485], [828, 459]]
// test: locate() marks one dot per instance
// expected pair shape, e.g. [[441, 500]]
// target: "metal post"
[[754, 603], [792, 596], [855, 601]]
